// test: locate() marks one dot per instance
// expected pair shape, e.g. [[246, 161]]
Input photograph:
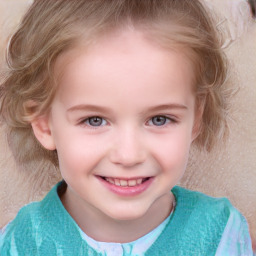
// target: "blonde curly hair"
[[50, 28]]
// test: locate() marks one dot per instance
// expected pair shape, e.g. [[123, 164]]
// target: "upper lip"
[[124, 178]]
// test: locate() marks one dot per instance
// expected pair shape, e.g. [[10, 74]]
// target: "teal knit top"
[[45, 228]]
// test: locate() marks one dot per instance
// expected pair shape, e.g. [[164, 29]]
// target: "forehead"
[[125, 58]]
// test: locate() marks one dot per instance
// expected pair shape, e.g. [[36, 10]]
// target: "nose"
[[128, 149]]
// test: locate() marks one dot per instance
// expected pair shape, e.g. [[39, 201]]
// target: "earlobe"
[[43, 132]]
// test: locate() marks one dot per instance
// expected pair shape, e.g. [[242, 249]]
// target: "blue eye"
[[95, 121], [159, 120]]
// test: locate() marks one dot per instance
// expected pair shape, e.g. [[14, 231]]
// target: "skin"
[[143, 98]]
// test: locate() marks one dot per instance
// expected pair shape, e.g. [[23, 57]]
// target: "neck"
[[103, 228]]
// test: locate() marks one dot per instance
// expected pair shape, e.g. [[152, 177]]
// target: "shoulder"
[[235, 239], [27, 224], [201, 219], [203, 203], [33, 212], [209, 213], [197, 225], [43, 228]]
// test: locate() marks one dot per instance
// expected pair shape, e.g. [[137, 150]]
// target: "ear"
[[199, 110], [43, 133]]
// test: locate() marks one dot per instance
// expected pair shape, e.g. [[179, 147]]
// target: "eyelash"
[[165, 121], [86, 122]]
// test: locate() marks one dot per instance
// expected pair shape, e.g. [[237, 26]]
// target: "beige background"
[[229, 172]]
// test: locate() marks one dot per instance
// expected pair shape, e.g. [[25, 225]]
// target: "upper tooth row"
[[124, 183]]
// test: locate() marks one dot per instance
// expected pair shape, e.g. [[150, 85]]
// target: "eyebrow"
[[167, 107], [95, 108], [88, 107]]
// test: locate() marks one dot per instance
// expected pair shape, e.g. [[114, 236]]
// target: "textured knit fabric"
[[137, 247], [235, 240], [196, 227]]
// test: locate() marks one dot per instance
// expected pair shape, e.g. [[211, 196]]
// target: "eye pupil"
[[159, 120], [95, 121]]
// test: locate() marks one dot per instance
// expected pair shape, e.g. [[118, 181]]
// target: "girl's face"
[[122, 123]]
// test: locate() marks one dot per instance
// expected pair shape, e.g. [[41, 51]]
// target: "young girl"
[[114, 93]]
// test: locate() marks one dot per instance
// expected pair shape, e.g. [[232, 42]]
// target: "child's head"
[[52, 28]]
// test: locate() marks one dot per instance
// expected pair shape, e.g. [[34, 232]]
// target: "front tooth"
[[132, 183], [123, 183], [117, 182], [139, 181]]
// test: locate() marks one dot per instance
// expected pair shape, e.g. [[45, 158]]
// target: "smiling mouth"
[[125, 182]]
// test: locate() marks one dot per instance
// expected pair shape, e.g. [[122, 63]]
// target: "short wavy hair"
[[50, 28]]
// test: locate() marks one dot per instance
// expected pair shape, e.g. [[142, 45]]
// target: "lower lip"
[[127, 191]]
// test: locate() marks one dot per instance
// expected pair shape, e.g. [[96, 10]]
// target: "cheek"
[[172, 152], [78, 155]]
